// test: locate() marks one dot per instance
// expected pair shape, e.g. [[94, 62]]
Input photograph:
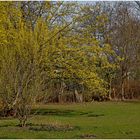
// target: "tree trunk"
[[110, 90], [61, 92], [122, 91], [79, 97], [23, 122]]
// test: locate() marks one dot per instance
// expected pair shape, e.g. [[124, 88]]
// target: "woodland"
[[67, 52]]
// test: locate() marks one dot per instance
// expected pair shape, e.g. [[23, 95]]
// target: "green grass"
[[101, 120]]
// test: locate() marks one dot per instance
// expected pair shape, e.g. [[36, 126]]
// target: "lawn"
[[87, 120]]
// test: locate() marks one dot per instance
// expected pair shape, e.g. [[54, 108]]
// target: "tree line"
[[67, 52]]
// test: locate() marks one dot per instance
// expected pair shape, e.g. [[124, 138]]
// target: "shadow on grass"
[[56, 112], [8, 125], [64, 113], [52, 127], [43, 127], [87, 136]]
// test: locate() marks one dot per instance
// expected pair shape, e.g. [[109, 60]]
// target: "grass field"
[[87, 120]]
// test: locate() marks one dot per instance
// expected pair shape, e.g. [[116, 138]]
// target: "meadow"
[[87, 120]]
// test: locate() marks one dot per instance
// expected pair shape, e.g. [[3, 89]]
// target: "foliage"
[[54, 48]]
